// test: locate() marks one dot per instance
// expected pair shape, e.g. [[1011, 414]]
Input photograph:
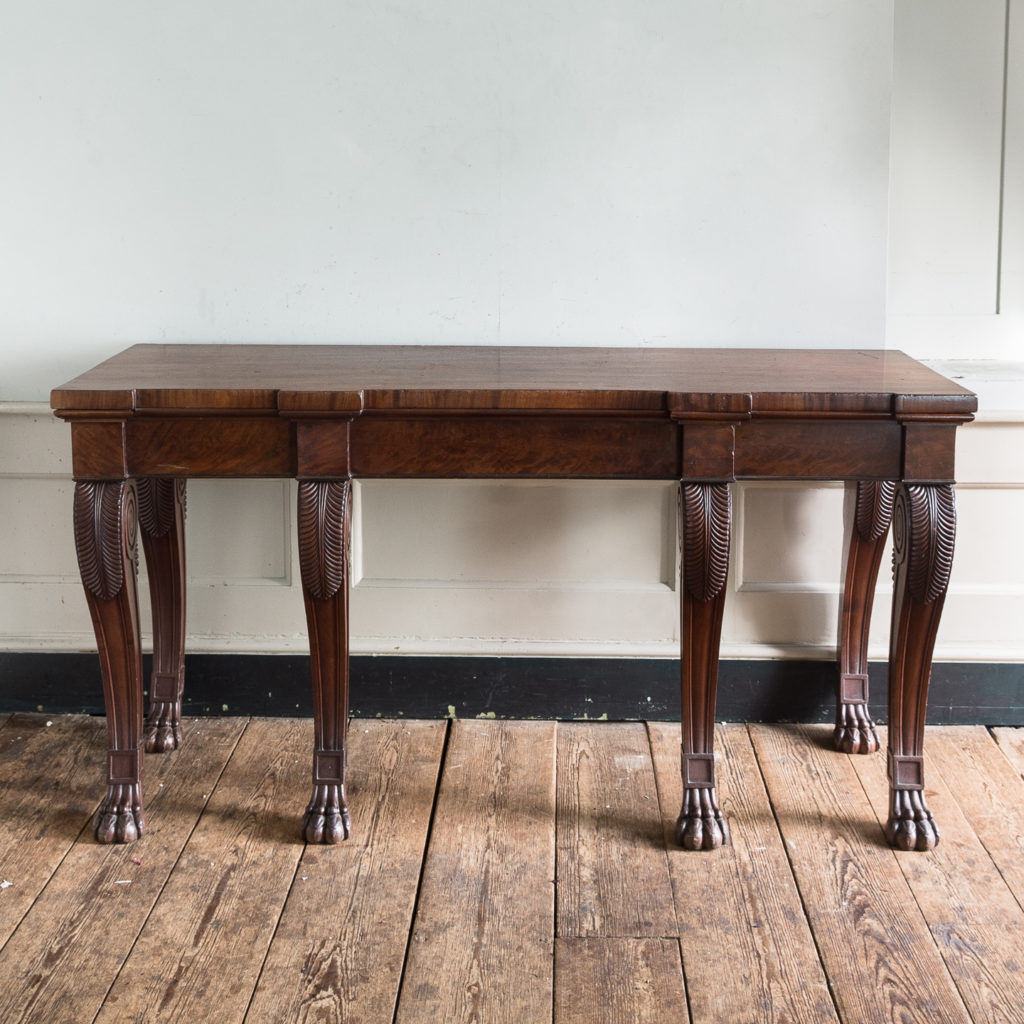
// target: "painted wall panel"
[[532, 567]]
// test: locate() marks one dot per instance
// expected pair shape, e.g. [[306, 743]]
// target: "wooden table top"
[[310, 379]]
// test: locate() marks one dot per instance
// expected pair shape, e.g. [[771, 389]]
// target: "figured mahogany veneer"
[[154, 415]]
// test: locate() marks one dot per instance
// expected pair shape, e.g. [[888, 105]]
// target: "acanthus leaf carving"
[[924, 534], [707, 518], [106, 525], [158, 497], [875, 500], [323, 510]]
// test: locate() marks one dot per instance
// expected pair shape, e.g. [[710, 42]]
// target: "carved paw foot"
[[701, 825], [855, 731], [911, 825], [326, 819], [120, 818], [162, 731]]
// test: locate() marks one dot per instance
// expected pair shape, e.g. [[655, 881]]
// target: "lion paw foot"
[[120, 818], [162, 731], [326, 820], [855, 731], [911, 825], [701, 825]]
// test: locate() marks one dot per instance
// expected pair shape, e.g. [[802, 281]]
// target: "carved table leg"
[[162, 519], [868, 514], [706, 517], [323, 555], [924, 530], [105, 537]]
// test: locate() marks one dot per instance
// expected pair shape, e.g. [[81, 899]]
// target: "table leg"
[[162, 522], [705, 527], [867, 514], [106, 520], [324, 531], [924, 530]]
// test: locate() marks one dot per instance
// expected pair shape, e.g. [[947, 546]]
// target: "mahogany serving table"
[[154, 415]]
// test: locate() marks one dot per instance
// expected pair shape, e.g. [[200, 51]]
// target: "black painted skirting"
[[471, 687]]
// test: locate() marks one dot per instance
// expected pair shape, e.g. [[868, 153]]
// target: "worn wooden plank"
[[338, 951], [957, 882], [482, 940], [1011, 743], [50, 785], [203, 946], [748, 951], [61, 961], [880, 957], [988, 968], [612, 868], [989, 791], [618, 981], [977, 923]]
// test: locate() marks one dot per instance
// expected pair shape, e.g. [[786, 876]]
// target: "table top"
[[311, 379]]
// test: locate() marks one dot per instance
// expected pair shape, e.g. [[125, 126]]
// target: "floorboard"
[[977, 924], [48, 793], [62, 960], [875, 946], [738, 907], [607, 817], [483, 936], [508, 871], [618, 981], [340, 946], [204, 943]]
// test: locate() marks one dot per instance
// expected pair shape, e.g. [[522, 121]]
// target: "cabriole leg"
[[868, 513], [162, 522], [924, 531], [705, 526], [323, 555], [106, 519]]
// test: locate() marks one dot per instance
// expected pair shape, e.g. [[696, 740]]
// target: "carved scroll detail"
[[924, 531], [106, 528], [874, 508], [707, 515], [323, 506], [157, 498]]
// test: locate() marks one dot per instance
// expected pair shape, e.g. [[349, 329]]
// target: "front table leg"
[[868, 515], [323, 556], [924, 530], [106, 518], [162, 518], [705, 526]]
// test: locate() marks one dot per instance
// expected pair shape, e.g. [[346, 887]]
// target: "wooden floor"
[[504, 871]]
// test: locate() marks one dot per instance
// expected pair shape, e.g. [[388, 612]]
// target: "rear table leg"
[[162, 518], [868, 514], [323, 553], [705, 527]]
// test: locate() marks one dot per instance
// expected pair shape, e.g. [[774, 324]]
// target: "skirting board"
[[612, 689]]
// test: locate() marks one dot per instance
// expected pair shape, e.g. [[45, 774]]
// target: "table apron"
[[597, 447]]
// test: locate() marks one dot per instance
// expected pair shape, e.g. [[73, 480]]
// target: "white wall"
[[462, 171], [664, 173]]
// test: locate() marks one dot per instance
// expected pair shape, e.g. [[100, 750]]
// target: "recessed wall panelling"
[[239, 530], [789, 537], [575, 534], [1011, 289], [946, 157], [539, 567], [30, 509]]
